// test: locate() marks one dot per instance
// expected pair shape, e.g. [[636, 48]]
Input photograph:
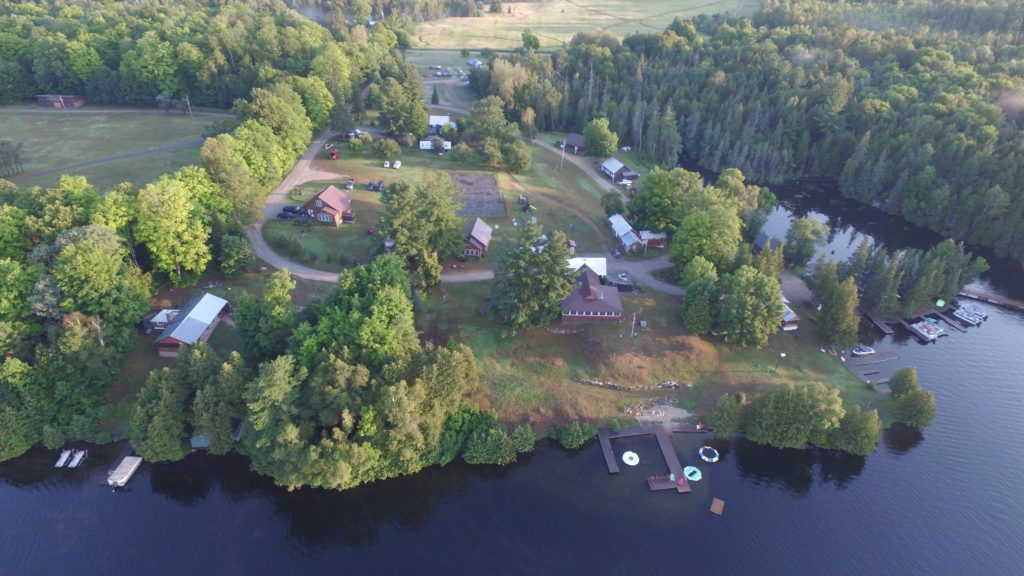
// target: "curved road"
[[639, 271]]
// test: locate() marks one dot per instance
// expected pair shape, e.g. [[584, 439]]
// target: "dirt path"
[[100, 109], [583, 164], [642, 272], [301, 173], [127, 156]]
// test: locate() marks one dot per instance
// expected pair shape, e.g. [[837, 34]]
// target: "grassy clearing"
[[326, 247], [548, 188], [535, 374], [54, 139], [556, 21]]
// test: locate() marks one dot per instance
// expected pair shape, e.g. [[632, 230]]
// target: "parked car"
[[624, 277], [616, 253], [397, 164], [285, 215], [560, 143], [387, 164], [293, 209]]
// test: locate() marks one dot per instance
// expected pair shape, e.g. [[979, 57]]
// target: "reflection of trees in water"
[[900, 438], [320, 518], [794, 470]]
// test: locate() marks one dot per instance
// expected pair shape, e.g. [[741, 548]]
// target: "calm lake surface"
[[945, 501]]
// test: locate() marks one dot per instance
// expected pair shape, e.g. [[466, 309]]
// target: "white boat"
[[968, 317], [77, 458], [862, 351], [123, 473], [928, 330], [64, 455]]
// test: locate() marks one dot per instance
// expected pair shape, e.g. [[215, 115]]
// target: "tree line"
[[905, 106], [81, 264]]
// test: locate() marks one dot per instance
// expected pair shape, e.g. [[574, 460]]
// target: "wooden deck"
[[869, 360], [609, 454], [668, 452], [950, 321], [877, 321], [993, 299]]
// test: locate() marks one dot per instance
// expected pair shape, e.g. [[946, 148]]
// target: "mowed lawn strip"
[[54, 139], [556, 21]]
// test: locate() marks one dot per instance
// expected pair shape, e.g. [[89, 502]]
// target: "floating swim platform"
[[692, 474], [708, 454], [630, 459], [717, 506]]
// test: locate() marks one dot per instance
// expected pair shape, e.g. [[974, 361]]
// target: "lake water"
[[945, 501]]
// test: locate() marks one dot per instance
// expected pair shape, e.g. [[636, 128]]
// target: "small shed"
[[654, 239], [478, 238], [574, 143], [627, 236]]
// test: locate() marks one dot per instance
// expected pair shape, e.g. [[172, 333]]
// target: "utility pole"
[[562, 161]]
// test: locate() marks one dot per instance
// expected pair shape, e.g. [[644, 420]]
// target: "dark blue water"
[[945, 501]]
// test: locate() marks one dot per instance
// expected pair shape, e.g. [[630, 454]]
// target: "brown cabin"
[[332, 206], [590, 300]]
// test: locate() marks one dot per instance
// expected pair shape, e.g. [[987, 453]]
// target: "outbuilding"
[[574, 143], [478, 238], [591, 301], [624, 232], [193, 323]]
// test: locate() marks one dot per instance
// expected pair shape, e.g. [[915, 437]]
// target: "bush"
[[523, 438], [387, 149], [516, 157], [904, 381], [235, 256], [612, 204], [916, 408], [490, 446], [573, 435], [725, 420]]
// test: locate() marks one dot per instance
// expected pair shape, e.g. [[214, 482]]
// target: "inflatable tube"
[[708, 454], [692, 474], [630, 458]]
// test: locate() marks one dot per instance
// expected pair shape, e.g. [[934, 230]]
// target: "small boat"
[[630, 458], [928, 331], [863, 351], [967, 317], [692, 474], [124, 471], [708, 454], [77, 458], [64, 456]]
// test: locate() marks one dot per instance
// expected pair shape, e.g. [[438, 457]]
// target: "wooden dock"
[[950, 321], [609, 454], [877, 321], [668, 452], [993, 299]]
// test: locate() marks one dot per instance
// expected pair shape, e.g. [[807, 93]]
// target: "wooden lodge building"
[[332, 206], [591, 301]]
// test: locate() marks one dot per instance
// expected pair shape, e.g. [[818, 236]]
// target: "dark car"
[[292, 209], [285, 215]]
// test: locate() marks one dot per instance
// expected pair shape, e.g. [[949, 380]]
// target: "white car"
[[387, 164], [397, 164]]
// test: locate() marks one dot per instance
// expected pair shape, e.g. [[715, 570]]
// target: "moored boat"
[[64, 456], [123, 473], [77, 458], [863, 351], [928, 331], [968, 317]]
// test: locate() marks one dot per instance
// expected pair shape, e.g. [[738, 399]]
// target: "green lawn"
[[549, 188], [54, 139], [556, 21], [536, 374], [326, 247]]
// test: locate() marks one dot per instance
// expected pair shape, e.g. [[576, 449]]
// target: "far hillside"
[[105, 145], [556, 21]]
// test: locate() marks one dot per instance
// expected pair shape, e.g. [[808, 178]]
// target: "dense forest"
[[910, 106], [338, 395]]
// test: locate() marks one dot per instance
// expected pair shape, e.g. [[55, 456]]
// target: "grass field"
[[536, 373], [55, 139], [556, 21], [327, 247]]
